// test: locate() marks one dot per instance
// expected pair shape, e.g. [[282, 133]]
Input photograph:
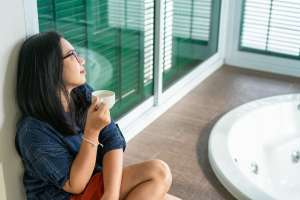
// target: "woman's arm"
[[82, 168], [112, 174]]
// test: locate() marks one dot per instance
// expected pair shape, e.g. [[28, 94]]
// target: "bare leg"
[[147, 180]]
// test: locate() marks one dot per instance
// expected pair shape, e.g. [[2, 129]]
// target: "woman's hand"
[[98, 117]]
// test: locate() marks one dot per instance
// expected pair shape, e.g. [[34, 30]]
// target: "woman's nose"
[[82, 60]]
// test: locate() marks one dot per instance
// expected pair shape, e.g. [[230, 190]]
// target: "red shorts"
[[93, 191]]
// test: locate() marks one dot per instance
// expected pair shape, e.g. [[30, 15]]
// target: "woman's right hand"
[[98, 117]]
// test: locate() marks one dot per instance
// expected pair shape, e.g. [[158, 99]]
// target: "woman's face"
[[73, 69]]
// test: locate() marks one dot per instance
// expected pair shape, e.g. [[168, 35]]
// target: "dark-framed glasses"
[[73, 53]]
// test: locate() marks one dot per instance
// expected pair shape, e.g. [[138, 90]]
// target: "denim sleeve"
[[112, 138], [48, 156], [85, 91]]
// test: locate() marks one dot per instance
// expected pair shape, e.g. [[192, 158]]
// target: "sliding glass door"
[[116, 39], [191, 36]]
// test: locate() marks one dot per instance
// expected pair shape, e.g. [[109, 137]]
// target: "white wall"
[[12, 32]]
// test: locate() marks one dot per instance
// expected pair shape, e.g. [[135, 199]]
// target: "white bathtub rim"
[[231, 177]]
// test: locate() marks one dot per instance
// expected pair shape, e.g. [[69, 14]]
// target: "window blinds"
[[192, 19], [116, 38], [139, 16], [271, 26], [148, 41], [167, 23], [187, 32]]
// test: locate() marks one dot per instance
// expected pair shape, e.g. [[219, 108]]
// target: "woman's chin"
[[83, 81], [78, 82]]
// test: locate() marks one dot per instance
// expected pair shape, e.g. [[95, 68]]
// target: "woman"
[[70, 147]]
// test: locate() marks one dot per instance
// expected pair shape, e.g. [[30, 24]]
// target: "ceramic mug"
[[106, 96]]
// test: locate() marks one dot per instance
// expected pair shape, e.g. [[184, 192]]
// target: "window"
[[116, 39], [271, 27], [191, 36]]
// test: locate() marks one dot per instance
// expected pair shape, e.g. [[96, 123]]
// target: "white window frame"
[[256, 61], [145, 113]]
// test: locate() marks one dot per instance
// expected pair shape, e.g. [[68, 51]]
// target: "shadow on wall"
[[12, 168], [203, 161]]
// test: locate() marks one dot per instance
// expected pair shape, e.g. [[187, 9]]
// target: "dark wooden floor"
[[180, 136]]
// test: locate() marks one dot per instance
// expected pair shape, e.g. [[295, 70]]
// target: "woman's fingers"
[[98, 105], [101, 107], [98, 116], [95, 103]]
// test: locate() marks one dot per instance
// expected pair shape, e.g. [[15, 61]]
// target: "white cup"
[[106, 96]]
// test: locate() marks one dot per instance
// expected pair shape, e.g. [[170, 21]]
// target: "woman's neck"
[[65, 102]]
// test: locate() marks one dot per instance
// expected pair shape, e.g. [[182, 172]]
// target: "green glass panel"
[[195, 28], [110, 35]]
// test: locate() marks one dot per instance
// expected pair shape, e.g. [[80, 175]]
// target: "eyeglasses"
[[73, 53]]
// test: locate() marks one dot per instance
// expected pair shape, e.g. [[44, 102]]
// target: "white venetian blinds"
[[136, 15], [184, 19], [271, 26], [192, 19], [167, 26]]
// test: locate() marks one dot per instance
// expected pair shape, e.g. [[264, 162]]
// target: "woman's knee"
[[161, 171]]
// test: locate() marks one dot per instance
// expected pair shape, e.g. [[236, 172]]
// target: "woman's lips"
[[82, 71]]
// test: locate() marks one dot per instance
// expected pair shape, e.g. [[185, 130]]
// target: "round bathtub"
[[254, 149]]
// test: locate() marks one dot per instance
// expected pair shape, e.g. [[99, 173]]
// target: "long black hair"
[[40, 83]]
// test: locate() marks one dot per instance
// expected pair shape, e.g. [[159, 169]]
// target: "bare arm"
[[112, 174], [83, 165], [82, 168]]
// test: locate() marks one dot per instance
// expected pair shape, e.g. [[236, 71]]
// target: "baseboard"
[[272, 64]]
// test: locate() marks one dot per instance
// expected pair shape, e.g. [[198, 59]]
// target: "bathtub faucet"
[[295, 156], [254, 167]]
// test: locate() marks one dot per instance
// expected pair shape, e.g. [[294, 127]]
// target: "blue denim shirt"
[[47, 155]]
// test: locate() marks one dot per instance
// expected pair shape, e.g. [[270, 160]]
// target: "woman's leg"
[[147, 180]]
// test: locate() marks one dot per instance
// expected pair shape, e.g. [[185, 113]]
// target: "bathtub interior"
[[261, 144]]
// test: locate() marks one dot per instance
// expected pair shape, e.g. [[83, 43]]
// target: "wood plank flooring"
[[180, 136]]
